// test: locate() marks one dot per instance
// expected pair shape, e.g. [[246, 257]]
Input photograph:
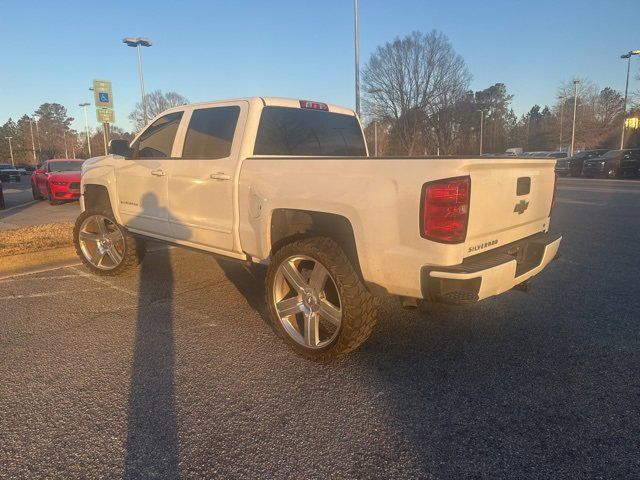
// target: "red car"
[[57, 180]]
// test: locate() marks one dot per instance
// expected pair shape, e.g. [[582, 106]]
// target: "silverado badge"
[[521, 206]]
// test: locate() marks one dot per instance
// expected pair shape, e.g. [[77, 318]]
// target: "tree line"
[[417, 101]]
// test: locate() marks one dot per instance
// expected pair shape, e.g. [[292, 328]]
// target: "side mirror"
[[119, 147]]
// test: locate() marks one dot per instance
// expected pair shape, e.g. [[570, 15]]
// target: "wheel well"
[[288, 225], [96, 198]]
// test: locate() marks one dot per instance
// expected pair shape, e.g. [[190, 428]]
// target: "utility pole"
[[64, 136], [357, 57], [562, 99], [33, 143], [11, 150], [575, 107], [375, 138], [481, 128], [626, 90]]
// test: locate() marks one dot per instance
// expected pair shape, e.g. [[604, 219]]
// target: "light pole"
[[33, 143], [357, 55], [575, 107], [38, 134], [626, 90], [137, 43], [562, 99], [11, 150], [86, 125], [481, 128]]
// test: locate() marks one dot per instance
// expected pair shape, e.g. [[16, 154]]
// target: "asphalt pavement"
[[23, 211], [172, 371]]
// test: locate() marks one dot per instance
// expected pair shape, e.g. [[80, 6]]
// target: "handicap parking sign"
[[104, 97]]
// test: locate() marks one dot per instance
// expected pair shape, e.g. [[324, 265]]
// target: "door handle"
[[158, 172], [220, 176]]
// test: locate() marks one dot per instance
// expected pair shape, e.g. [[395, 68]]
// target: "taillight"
[[445, 210]]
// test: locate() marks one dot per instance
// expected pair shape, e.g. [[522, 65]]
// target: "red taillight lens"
[[445, 210]]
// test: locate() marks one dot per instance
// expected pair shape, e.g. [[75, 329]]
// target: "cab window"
[[157, 140], [210, 133]]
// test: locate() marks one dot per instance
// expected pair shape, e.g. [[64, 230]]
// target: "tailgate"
[[510, 199]]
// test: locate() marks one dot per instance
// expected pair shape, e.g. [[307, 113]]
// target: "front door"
[[142, 179], [201, 185]]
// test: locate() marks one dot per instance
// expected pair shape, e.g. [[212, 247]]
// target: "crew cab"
[[614, 164], [9, 173], [289, 184]]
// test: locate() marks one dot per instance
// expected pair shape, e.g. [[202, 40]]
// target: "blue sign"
[[104, 97]]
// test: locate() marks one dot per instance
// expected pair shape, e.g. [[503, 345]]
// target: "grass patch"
[[36, 238]]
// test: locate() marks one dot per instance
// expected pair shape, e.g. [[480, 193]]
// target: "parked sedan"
[[8, 173], [613, 164], [573, 165], [57, 180]]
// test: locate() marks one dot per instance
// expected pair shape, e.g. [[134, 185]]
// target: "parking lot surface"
[[172, 371], [22, 210]]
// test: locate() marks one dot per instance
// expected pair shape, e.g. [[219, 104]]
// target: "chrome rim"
[[101, 242], [307, 301]]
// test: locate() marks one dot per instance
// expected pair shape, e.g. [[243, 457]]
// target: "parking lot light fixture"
[[481, 128], [626, 56], [86, 126], [137, 43]]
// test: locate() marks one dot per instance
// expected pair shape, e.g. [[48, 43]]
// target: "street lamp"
[[357, 55], [86, 125], [626, 90], [11, 150], [481, 128], [575, 106], [137, 43]]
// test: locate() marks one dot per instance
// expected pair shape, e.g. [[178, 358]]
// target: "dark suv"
[[8, 173], [613, 164], [573, 165]]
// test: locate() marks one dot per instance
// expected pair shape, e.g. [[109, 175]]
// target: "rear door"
[[201, 183], [510, 200], [142, 179]]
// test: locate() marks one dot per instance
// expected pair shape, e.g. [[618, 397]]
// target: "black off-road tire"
[[359, 306], [134, 248]]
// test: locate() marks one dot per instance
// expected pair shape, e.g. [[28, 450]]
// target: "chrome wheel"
[[307, 301], [101, 242]]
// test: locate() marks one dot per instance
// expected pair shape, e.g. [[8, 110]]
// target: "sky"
[[209, 50]]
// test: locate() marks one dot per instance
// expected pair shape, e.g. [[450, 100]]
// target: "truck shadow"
[[152, 448]]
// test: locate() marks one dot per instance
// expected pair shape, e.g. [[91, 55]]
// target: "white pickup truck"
[[289, 184]]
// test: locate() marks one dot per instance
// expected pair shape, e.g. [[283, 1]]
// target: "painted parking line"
[[46, 294]]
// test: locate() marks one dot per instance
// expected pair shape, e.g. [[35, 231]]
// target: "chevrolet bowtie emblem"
[[521, 207]]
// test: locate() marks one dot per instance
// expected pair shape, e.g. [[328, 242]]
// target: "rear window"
[[210, 132], [306, 132]]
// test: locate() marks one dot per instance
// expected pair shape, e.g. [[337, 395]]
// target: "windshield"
[[69, 166]]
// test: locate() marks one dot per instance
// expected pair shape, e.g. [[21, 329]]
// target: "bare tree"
[[408, 81], [156, 102]]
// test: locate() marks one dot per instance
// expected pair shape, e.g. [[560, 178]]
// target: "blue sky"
[[217, 49]]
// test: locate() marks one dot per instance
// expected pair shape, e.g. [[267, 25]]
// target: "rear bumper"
[[490, 273]]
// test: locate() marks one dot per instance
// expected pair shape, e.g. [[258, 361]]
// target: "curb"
[[37, 261]]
